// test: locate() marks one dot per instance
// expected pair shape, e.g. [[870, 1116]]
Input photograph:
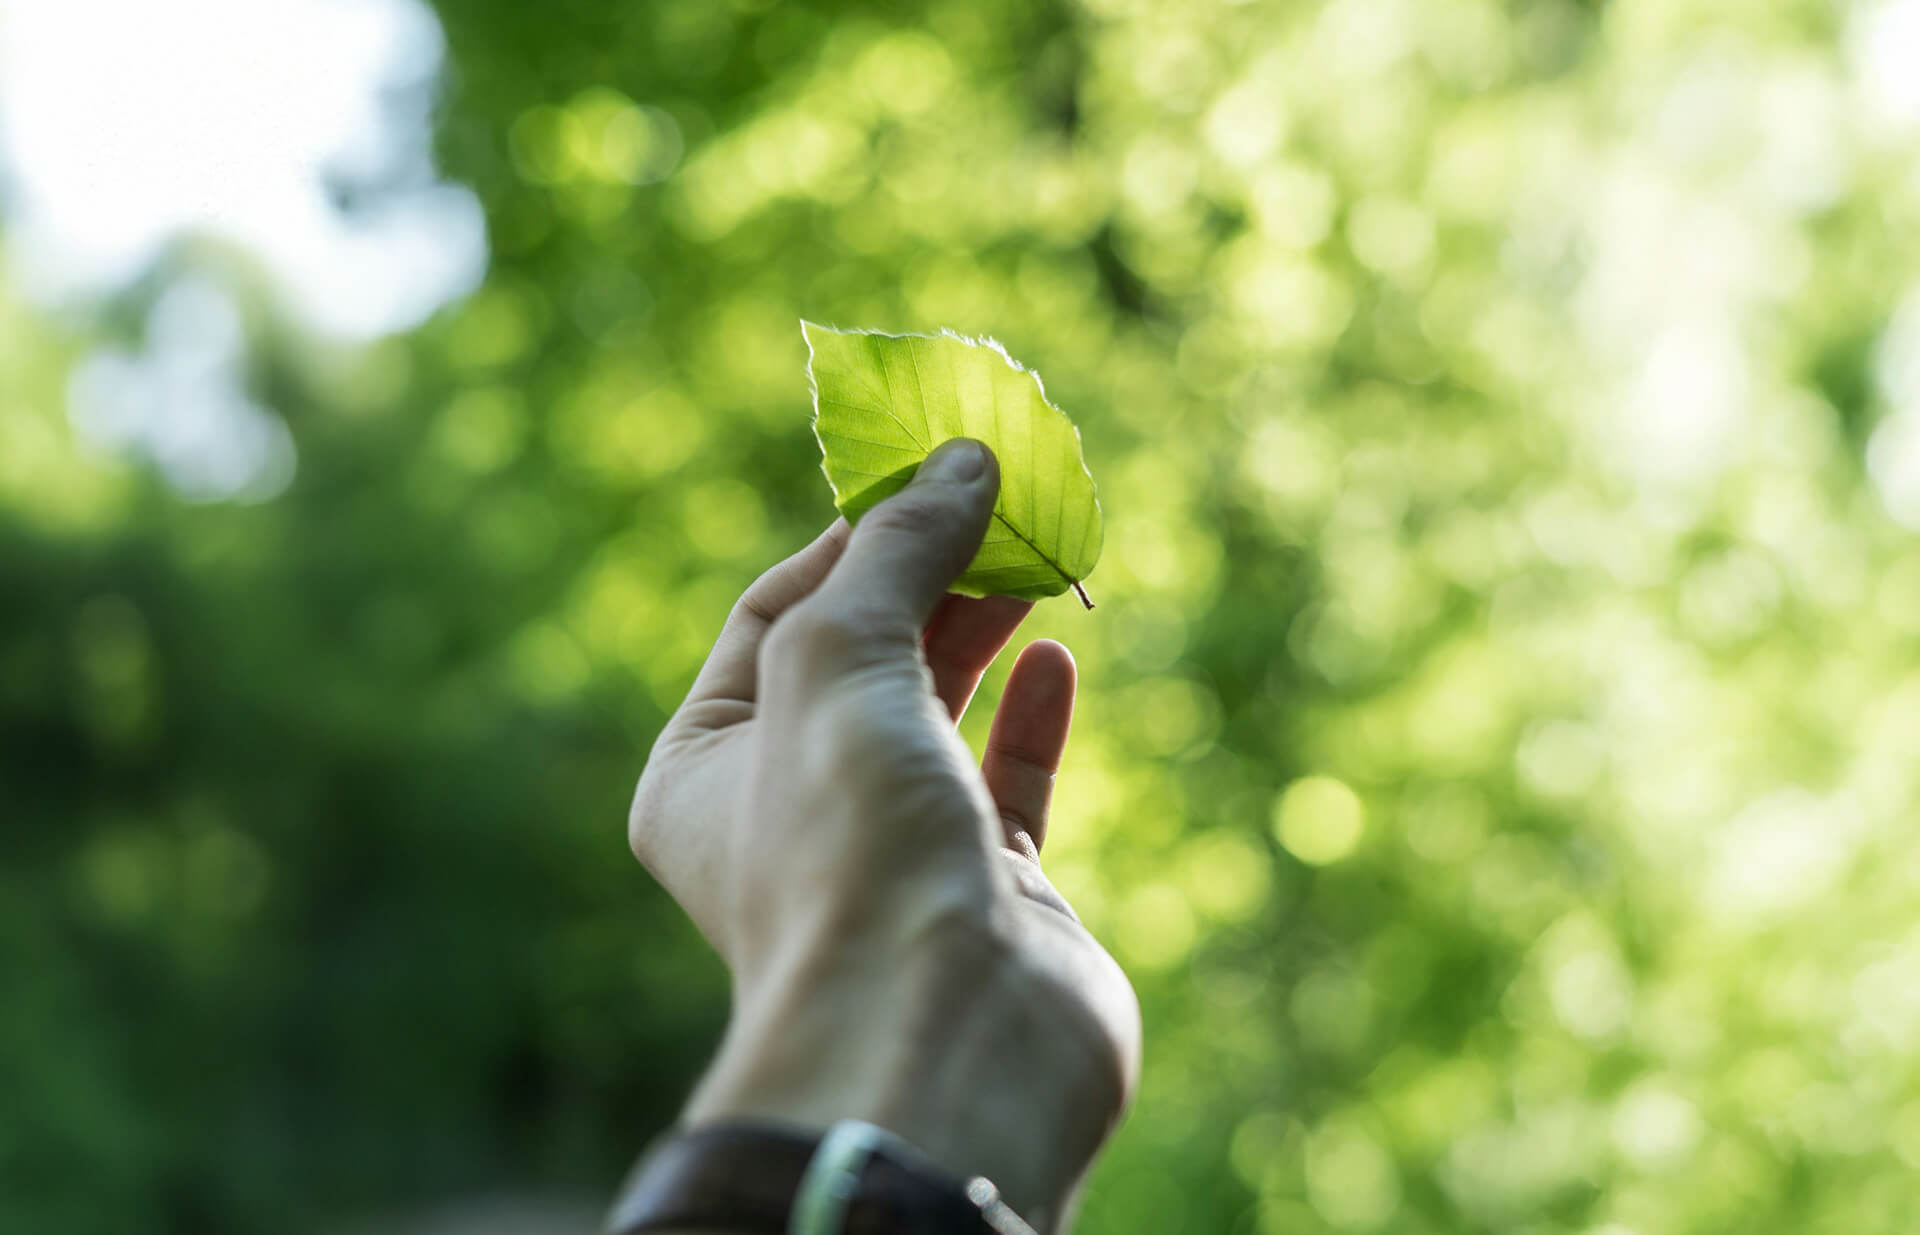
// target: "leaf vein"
[[1001, 570], [886, 375], [1055, 566], [867, 441], [877, 411], [920, 388]]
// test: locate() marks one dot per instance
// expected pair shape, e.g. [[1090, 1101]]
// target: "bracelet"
[[856, 1179]]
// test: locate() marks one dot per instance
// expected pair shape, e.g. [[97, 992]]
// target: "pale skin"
[[896, 950]]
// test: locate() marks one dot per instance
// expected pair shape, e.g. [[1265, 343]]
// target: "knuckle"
[[652, 792], [1017, 820], [640, 818], [776, 589], [752, 605], [1020, 759]]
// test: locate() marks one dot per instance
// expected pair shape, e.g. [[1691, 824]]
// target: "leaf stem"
[[1053, 565]]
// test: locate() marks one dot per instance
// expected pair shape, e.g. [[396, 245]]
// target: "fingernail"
[[959, 461]]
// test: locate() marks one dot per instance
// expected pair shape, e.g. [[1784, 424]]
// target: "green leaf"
[[882, 402]]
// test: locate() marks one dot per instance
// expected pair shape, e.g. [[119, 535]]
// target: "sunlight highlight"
[[297, 132]]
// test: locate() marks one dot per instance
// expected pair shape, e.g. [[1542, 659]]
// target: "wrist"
[[947, 1035]]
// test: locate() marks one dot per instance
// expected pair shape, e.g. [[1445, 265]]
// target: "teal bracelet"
[[834, 1173], [833, 1177], [855, 1179]]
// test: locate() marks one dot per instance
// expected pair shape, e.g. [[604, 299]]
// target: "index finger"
[[729, 672]]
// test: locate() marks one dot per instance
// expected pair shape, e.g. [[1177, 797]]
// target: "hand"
[[897, 953]]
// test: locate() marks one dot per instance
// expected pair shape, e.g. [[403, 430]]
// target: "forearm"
[[958, 1042]]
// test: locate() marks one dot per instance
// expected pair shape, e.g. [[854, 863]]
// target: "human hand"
[[897, 953]]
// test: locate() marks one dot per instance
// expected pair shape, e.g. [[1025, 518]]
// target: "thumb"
[[909, 549]]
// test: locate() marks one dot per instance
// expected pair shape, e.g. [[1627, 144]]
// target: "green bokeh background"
[[1500, 736]]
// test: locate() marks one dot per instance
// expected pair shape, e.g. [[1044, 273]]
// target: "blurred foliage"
[[1500, 731]]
